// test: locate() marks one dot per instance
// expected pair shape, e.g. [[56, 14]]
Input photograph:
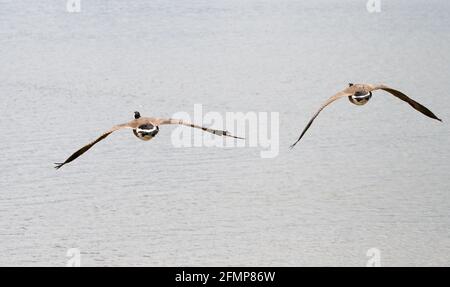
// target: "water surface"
[[363, 177]]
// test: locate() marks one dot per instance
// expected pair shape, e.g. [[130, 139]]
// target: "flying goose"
[[360, 94], [145, 129]]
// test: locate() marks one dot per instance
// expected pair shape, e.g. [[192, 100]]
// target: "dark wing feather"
[[410, 101], [88, 146], [189, 124], [329, 101]]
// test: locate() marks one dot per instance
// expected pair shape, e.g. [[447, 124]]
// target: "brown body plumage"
[[360, 94]]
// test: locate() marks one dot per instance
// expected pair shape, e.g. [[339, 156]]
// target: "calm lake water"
[[375, 176]]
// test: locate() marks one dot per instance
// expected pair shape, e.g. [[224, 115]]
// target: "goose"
[[144, 129], [360, 94]]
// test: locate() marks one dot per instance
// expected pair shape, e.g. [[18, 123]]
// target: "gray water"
[[375, 176]]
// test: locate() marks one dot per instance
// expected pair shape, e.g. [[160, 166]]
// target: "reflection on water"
[[363, 177]]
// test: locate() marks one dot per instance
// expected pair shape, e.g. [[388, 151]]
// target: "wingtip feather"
[[58, 165]]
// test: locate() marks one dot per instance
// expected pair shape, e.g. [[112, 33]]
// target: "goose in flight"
[[360, 94], [144, 129]]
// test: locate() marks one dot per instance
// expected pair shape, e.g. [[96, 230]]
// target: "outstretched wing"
[[405, 98], [329, 101], [189, 124], [88, 146]]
